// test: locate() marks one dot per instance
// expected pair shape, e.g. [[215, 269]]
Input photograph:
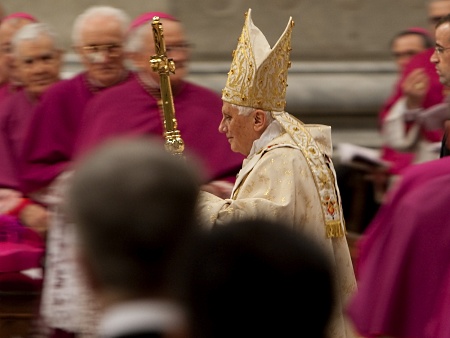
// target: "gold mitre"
[[258, 74]]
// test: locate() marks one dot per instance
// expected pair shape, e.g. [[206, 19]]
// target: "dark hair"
[[133, 204], [444, 19], [427, 40], [257, 278]]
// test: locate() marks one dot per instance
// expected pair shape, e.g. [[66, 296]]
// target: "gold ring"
[[419, 85]]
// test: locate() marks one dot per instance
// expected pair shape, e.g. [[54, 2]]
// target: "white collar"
[[273, 130], [144, 315]]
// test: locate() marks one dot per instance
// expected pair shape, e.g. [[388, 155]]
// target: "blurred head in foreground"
[[133, 205], [257, 278]]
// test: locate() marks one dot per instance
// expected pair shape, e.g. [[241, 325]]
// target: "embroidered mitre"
[[258, 74]]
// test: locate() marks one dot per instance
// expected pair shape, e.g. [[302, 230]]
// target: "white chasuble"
[[277, 183]]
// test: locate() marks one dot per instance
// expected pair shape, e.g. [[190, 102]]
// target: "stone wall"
[[341, 72], [325, 29], [62, 13]]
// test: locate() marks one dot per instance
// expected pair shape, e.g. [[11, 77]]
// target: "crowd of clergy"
[[254, 161]]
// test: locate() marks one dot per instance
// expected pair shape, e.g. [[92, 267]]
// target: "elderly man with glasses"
[[134, 107], [288, 175], [98, 36]]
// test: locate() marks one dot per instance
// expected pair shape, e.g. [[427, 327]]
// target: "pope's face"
[[441, 56], [37, 64], [102, 50], [239, 129]]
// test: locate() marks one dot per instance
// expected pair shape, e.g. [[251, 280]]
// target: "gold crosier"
[[161, 64]]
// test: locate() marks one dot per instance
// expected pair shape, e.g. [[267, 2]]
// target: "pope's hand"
[[221, 189]]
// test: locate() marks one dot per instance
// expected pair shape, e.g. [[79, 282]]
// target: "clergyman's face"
[[177, 48], [38, 64], [405, 47], [102, 50], [441, 56], [238, 129]]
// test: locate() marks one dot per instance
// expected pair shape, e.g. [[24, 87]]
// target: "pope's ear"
[[259, 120]]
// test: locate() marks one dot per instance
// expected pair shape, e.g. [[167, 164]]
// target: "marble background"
[[341, 68]]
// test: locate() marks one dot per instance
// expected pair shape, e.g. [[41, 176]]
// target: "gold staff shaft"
[[161, 64]]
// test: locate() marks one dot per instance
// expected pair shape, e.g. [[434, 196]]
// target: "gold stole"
[[322, 170]]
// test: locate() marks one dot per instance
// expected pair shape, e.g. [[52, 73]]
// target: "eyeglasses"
[[439, 50], [113, 50], [180, 47]]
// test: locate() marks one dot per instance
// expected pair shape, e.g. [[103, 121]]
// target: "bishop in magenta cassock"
[[98, 37], [37, 61], [403, 260], [132, 108], [32, 44], [49, 143], [129, 108]]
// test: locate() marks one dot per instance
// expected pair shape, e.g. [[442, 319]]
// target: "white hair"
[[242, 110], [135, 39], [104, 11], [33, 31]]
